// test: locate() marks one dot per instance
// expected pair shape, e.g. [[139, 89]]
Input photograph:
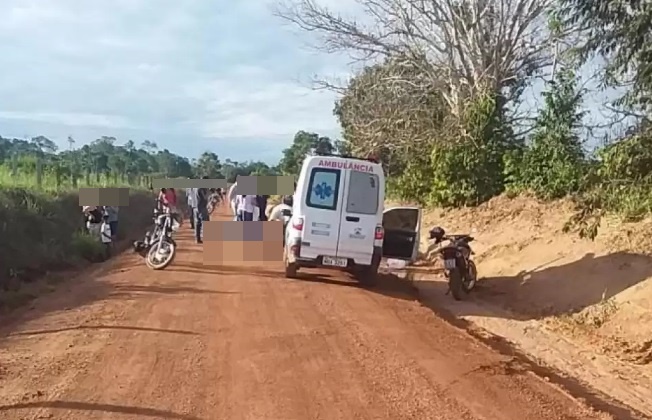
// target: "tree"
[[474, 46], [303, 144], [149, 146], [618, 30], [553, 163], [103, 162], [44, 144], [209, 165], [391, 105]]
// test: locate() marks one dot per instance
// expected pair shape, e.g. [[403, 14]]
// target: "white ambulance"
[[339, 221]]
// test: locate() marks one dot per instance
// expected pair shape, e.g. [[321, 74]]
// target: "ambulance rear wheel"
[[290, 268], [367, 275]]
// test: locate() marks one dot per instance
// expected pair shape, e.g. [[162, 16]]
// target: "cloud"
[[251, 103], [69, 119], [187, 74]]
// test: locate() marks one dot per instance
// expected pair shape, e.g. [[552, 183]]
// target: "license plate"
[[450, 264], [335, 262]]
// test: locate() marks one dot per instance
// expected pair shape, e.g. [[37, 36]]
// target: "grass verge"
[[43, 233]]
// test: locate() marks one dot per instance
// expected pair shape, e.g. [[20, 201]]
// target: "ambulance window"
[[363, 194], [323, 188]]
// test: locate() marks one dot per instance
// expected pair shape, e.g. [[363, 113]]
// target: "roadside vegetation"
[[470, 99], [42, 226], [459, 109]]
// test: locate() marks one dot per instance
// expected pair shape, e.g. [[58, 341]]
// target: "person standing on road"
[[277, 211], [246, 206], [167, 201], [190, 199], [112, 213], [261, 203], [231, 197], [93, 222], [238, 204], [201, 212]]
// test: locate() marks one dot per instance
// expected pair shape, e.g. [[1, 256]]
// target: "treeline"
[[38, 161], [442, 99]]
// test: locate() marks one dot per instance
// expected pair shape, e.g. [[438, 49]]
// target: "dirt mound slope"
[[599, 292]]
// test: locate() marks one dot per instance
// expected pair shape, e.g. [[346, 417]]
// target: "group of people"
[[97, 216], [244, 208]]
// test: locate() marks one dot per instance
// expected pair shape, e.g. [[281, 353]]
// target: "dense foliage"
[[42, 222], [442, 98], [102, 162]]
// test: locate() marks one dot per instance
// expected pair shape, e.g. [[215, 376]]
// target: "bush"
[[87, 247], [553, 163], [44, 231]]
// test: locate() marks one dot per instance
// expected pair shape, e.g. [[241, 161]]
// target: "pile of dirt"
[[598, 292]]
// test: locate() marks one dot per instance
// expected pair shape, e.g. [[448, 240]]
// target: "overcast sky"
[[191, 75]]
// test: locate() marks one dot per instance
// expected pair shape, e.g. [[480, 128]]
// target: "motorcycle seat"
[[462, 237]]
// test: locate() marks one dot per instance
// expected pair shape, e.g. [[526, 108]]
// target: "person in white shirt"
[[245, 207], [277, 211], [190, 196], [232, 196]]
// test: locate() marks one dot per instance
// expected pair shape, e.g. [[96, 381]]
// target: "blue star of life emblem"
[[323, 190]]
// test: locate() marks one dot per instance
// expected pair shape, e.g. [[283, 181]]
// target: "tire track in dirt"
[[199, 342]]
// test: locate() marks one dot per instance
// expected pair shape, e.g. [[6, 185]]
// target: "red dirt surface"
[[200, 342]]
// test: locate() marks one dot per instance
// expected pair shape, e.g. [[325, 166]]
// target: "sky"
[[191, 75]]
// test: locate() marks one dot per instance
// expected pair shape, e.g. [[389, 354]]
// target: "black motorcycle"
[[459, 269], [157, 247]]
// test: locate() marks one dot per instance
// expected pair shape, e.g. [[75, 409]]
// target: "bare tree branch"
[[475, 45]]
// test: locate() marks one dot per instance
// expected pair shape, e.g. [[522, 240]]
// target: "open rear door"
[[402, 233]]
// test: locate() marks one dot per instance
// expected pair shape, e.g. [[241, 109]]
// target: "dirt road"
[[198, 342]]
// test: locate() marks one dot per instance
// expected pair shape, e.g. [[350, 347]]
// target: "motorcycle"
[[158, 248], [459, 269]]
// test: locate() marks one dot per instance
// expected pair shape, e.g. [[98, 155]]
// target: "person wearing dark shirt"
[[261, 203], [201, 212]]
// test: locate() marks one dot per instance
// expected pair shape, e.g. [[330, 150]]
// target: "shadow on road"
[[223, 270], [107, 408], [387, 284], [104, 327], [553, 290], [130, 290], [452, 314]]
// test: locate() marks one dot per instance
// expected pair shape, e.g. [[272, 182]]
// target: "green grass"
[[28, 180], [43, 231]]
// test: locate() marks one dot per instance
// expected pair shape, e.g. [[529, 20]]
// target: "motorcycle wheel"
[[455, 283], [155, 260], [471, 276]]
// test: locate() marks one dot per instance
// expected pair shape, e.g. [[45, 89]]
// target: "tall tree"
[[473, 45], [303, 144], [618, 30]]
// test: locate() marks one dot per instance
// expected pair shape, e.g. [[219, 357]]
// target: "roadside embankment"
[[42, 234]]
